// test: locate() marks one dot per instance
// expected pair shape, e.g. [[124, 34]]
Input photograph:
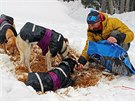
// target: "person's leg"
[[125, 46], [118, 67], [97, 59]]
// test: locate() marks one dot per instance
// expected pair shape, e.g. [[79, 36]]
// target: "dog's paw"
[[23, 77], [20, 69]]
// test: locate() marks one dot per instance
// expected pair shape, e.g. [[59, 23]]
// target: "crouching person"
[[54, 79], [102, 27]]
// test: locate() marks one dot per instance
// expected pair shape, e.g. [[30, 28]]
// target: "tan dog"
[[33, 34], [7, 33], [10, 45]]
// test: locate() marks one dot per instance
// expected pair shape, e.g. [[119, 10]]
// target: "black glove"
[[120, 37], [82, 60]]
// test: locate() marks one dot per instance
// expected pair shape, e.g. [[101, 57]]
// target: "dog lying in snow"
[[50, 41], [54, 79], [7, 33]]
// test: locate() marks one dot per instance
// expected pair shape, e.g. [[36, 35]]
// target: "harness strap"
[[56, 81], [44, 42], [1, 20], [34, 26], [11, 27], [4, 25], [59, 38], [3, 28], [62, 72], [40, 81]]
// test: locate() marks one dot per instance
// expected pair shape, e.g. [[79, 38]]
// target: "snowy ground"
[[68, 19]]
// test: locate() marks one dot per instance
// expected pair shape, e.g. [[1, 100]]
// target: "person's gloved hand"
[[120, 37], [112, 39], [81, 62], [79, 67]]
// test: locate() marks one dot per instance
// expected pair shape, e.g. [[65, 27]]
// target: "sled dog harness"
[[4, 26], [56, 81], [44, 42], [62, 71], [1, 20], [40, 81], [66, 63]]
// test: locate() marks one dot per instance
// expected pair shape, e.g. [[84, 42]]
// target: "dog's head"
[[68, 52], [70, 63]]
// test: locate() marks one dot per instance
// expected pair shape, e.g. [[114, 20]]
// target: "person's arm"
[[84, 56], [126, 35]]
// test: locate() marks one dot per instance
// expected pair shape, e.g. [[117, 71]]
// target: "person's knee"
[[115, 33], [125, 46]]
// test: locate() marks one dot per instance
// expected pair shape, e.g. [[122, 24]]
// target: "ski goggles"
[[93, 19]]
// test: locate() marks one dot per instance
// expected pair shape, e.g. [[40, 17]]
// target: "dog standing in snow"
[[57, 78], [7, 34], [50, 41]]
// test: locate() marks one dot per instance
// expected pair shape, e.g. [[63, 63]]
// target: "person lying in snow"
[[102, 27], [54, 79]]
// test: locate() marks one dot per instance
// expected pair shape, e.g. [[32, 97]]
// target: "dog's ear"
[[66, 40]]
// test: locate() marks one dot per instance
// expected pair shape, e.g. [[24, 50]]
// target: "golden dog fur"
[[10, 45]]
